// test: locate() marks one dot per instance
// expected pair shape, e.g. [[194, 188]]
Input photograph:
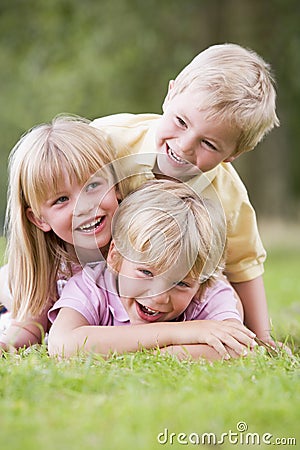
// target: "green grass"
[[126, 401]]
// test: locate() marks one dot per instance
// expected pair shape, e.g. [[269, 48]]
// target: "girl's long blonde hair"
[[68, 146]]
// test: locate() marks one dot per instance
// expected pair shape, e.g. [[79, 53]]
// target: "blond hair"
[[239, 89], [164, 223], [46, 154]]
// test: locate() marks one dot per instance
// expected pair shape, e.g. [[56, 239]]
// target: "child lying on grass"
[[162, 285]]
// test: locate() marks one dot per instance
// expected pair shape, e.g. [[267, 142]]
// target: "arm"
[[202, 351], [20, 334], [5, 296], [71, 333], [245, 252], [253, 297]]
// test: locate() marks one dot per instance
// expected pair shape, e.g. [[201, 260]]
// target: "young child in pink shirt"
[[163, 286]]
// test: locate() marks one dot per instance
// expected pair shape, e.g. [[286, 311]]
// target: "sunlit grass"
[[283, 292], [125, 402]]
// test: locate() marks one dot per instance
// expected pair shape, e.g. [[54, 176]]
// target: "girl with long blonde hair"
[[49, 168]]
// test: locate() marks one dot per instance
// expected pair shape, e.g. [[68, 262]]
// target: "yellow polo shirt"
[[135, 134]]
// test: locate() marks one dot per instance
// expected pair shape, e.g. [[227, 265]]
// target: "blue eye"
[[146, 272], [182, 284], [61, 199], [91, 186]]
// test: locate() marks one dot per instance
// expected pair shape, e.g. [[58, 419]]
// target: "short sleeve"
[[245, 253], [82, 294], [218, 303]]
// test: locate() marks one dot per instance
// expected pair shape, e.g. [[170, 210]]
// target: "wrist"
[[169, 334]]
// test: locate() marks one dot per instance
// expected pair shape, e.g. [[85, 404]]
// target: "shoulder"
[[86, 293], [227, 175], [126, 120], [228, 188], [127, 132], [223, 181], [88, 275], [218, 302]]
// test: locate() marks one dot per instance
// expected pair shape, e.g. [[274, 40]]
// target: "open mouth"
[[148, 314], [174, 157], [91, 226], [148, 311]]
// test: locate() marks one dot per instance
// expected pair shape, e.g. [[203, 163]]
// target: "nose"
[[159, 297], [186, 143], [83, 206]]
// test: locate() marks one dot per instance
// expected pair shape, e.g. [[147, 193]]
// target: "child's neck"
[[161, 176], [84, 256]]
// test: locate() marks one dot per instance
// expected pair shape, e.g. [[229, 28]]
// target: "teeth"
[[90, 225], [149, 311], [175, 157]]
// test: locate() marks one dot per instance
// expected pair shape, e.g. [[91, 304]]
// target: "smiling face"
[[187, 140], [79, 214], [151, 296]]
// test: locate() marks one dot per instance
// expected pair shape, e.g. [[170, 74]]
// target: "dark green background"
[[97, 57]]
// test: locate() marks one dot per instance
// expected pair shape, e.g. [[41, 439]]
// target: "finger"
[[237, 342], [216, 344], [240, 327], [233, 354], [244, 338], [237, 347]]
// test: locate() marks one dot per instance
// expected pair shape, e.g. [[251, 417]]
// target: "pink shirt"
[[93, 293]]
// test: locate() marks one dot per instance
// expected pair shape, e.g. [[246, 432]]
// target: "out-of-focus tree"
[[97, 57]]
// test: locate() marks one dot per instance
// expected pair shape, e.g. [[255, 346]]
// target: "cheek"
[[181, 304], [110, 201], [130, 287], [183, 300], [164, 129]]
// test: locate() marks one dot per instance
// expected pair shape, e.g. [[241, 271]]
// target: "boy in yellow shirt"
[[221, 105]]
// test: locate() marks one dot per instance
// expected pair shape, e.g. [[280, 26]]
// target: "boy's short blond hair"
[[239, 88], [165, 223]]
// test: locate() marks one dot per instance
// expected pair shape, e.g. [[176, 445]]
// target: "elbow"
[[58, 346], [65, 345], [54, 346]]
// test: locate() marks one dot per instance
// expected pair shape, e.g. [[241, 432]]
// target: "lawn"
[[150, 401]]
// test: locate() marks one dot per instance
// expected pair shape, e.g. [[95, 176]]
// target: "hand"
[[227, 337], [273, 347]]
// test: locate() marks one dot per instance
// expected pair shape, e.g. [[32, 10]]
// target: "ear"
[[39, 223], [231, 158], [113, 257], [118, 194], [171, 85], [167, 98]]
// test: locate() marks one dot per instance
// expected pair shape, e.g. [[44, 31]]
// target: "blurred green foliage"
[[97, 57]]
